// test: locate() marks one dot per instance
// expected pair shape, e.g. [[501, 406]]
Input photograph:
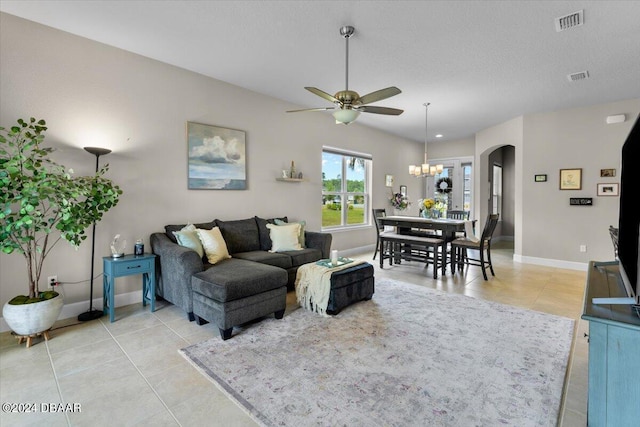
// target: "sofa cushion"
[[169, 229], [241, 235], [303, 256], [213, 244], [271, 258], [284, 237], [265, 239], [237, 278]]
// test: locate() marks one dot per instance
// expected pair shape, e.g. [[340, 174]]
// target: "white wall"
[[573, 138], [91, 94]]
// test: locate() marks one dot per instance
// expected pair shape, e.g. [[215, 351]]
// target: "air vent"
[[574, 19], [575, 77]]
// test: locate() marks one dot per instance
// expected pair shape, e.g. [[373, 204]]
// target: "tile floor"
[[129, 372]]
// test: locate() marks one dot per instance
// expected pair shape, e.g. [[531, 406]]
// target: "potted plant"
[[41, 203]]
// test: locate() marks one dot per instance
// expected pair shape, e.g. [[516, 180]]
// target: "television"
[[628, 225], [629, 215]]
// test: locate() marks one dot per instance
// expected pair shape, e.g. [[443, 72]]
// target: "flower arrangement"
[[427, 203], [399, 201]]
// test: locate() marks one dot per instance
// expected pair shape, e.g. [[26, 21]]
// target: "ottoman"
[[236, 291], [349, 286]]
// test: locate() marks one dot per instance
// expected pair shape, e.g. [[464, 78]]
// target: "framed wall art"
[[216, 157], [403, 190], [608, 173], [571, 179], [388, 180], [540, 178], [608, 189]]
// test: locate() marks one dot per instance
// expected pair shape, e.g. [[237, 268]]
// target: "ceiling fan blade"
[[380, 110], [312, 109], [323, 94], [379, 95]]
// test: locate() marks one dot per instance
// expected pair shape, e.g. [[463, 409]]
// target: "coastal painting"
[[216, 158]]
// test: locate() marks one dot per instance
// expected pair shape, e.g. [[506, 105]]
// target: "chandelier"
[[425, 170]]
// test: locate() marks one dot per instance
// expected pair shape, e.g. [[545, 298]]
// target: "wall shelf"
[[290, 179]]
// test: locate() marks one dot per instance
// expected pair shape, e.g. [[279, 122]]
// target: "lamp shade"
[[345, 116]]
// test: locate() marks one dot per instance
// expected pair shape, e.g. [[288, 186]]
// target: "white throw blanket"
[[313, 285]]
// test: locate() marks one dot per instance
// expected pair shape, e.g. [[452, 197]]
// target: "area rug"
[[409, 357]]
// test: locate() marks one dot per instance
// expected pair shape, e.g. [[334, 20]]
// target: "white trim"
[[569, 265], [74, 309]]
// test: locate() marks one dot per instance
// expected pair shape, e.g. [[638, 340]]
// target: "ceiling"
[[479, 63]]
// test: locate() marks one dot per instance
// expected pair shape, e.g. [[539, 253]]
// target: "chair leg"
[[376, 252], [443, 249], [489, 258], [482, 263], [435, 262]]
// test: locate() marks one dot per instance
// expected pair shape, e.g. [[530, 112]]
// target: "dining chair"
[[456, 214], [483, 245], [377, 214]]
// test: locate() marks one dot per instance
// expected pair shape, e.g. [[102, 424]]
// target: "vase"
[[29, 319]]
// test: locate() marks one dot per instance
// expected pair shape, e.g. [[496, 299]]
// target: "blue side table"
[[127, 266]]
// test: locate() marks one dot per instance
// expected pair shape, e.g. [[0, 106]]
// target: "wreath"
[[444, 185]]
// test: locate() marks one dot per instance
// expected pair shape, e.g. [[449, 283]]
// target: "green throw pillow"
[[188, 238]]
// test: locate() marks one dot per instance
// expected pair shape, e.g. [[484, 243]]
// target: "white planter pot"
[[30, 319]]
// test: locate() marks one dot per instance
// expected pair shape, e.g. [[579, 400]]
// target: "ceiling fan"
[[347, 103]]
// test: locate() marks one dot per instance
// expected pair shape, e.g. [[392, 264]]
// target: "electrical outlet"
[[51, 281], [583, 248]]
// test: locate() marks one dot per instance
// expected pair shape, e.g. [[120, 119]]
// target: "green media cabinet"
[[614, 351]]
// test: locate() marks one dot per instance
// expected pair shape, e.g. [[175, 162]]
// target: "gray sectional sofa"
[[251, 284]]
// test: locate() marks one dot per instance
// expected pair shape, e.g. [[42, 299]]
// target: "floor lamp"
[[93, 314]]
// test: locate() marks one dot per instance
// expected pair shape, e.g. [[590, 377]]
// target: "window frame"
[[343, 194]]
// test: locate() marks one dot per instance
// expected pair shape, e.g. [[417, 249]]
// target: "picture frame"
[[403, 190], [571, 179], [607, 173], [608, 189], [216, 158], [388, 180], [540, 177]]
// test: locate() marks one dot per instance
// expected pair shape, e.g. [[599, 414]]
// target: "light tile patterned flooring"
[[129, 372]]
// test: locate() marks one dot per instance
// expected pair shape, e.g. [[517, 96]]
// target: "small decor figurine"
[[117, 247], [292, 171]]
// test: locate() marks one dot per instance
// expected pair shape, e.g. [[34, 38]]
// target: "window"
[[459, 171], [345, 188], [496, 193]]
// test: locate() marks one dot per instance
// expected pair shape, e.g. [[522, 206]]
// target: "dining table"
[[407, 224], [416, 225]]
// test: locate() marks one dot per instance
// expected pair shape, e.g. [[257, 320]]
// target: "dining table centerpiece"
[[428, 209]]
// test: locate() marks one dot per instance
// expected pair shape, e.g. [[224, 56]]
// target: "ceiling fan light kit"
[[347, 103]]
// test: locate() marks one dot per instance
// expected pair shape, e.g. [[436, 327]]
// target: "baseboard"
[[569, 265], [74, 309]]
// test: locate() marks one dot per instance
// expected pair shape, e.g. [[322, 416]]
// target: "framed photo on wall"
[[607, 173], [403, 190], [571, 179], [216, 157], [608, 189], [388, 180], [540, 178]]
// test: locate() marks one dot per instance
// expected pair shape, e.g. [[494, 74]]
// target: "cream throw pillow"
[[188, 238], [300, 234], [214, 245], [284, 237]]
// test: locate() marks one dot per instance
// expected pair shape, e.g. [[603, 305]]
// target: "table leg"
[[108, 296]]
